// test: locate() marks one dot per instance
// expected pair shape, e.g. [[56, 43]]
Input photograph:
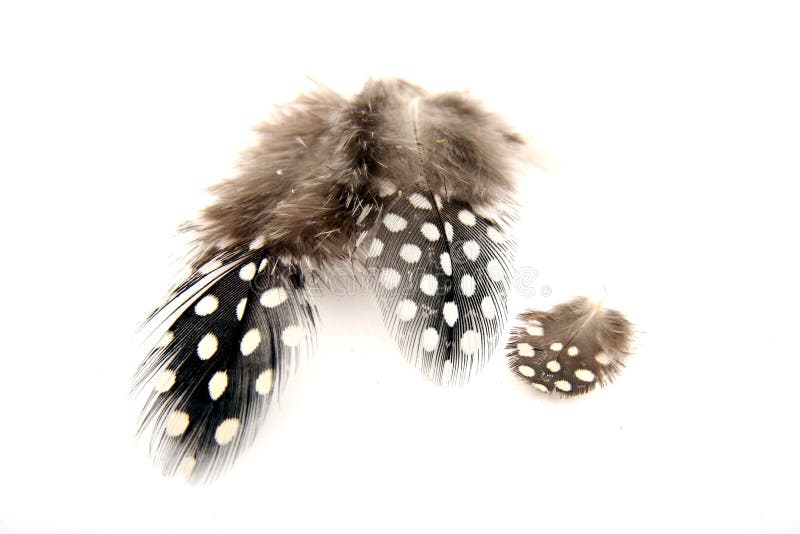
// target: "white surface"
[[672, 136]]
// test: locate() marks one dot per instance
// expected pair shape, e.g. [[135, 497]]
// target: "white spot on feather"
[[525, 350], [394, 222], [540, 387], [526, 370], [430, 339], [584, 374], [406, 310], [467, 285], [164, 381], [556, 347], [226, 431], [466, 217], [470, 342], [240, 308], [563, 385], [534, 330], [274, 297], [247, 272], [217, 384], [410, 253], [471, 249], [447, 266], [250, 341], [264, 382], [430, 232], [428, 284], [553, 366], [206, 305], [419, 201], [572, 351], [450, 312], [176, 424], [207, 346], [448, 231]]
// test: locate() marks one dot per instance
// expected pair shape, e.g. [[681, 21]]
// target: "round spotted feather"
[[571, 348]]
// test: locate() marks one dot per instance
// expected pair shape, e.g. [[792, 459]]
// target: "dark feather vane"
[[571, 348]]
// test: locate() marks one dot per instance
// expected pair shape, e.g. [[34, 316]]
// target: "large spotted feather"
[[441, 273], [244, 317]]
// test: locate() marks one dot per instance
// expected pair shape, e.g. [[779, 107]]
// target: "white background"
[[669, 133]]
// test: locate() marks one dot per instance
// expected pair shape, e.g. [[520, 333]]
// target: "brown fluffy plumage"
[[324, 160], [571, 348]]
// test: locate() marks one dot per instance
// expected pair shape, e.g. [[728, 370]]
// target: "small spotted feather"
[[571, 348]]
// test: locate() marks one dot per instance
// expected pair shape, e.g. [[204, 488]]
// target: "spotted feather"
[[571, 348], [442, 275], [223, 360]]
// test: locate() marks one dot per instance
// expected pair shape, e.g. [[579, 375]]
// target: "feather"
[[229, 350], [440, 270], [328, 179], [441, 274], [571, 348]]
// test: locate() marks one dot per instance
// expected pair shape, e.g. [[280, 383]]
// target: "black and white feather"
[[416, 188], [442, 275], [229, 350]]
